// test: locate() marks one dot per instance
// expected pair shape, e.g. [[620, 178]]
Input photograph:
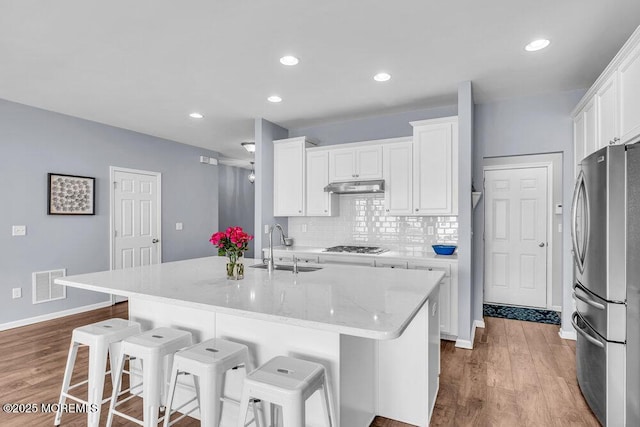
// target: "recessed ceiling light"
[[196, 115], [382, 77], [289, 60], [537, 45], [274, 98]]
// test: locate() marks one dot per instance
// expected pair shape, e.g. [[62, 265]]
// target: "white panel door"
[[136, 225], [516, 215], [289, 177]]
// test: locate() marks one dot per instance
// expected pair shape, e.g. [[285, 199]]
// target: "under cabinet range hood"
[[356, 187]]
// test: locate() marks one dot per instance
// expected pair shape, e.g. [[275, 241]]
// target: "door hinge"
[[115, 185], [115, 233]]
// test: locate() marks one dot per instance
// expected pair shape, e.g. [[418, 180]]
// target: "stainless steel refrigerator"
[[606, 290]]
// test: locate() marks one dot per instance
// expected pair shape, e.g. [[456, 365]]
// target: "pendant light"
[[252, 174]]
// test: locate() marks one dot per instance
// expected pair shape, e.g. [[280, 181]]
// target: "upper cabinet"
[[358, 163], [629, 82], [398, 178], [289, 176], [435, 166], [609, 113], [319, 202]]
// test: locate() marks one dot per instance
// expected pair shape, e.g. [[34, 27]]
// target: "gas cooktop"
[[371, 250]]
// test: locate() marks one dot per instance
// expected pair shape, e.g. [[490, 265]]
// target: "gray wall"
[[34, 142], [265, 133], [380, 127], [531, 125], [467, 307], [236, 204]]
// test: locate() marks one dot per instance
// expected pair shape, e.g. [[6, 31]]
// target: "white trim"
[[158, 175], [479, 323], [443, 120], [360, 143], [567, 335], [51, 316], [550, 213], [557, 308], [468, 344]]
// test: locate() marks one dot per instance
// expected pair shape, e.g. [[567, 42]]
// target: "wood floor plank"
[[519, 373]]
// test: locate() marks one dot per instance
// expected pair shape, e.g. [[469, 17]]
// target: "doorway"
[[135, 214], [517, 235]]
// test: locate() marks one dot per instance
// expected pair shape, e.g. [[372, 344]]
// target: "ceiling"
[[145, 65]]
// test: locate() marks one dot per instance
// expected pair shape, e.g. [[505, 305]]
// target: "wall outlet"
[[16, 293], [19, 230], [304, 228], [178, 226], [266, 229]]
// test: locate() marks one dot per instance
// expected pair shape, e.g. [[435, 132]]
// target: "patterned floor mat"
[[522, 313]]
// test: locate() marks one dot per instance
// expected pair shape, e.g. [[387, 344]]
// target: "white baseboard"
[[567, 335], [557, 308], [468, 344], [51, 316]]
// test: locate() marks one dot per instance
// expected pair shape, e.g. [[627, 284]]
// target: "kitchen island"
[[375, 331]]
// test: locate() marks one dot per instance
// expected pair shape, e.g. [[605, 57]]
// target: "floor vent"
[[43, 288]]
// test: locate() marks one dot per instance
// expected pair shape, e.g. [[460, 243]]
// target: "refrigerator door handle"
[[589, 301], [579, 252], [588, 337]]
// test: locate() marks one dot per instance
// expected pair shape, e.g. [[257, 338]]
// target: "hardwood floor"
[[518, 374]]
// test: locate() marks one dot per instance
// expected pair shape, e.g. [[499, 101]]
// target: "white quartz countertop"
[[352, 300], [414, 254]]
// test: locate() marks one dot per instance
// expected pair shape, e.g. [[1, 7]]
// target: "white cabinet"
[[289, 176], [609, 113], [361, 163], [319, 202], [398, 178], [435, 166], [629, 83], [606, 100], [448, 295]]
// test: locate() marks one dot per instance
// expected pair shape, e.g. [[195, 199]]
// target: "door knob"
[[541, 244], [155, 241]]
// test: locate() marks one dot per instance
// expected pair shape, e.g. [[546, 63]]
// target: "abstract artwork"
[[71, 195]]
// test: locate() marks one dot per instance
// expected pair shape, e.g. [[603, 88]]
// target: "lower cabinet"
[[448, 296]]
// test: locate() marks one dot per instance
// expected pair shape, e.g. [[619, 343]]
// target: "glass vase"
[[240, 268], [231, 270]]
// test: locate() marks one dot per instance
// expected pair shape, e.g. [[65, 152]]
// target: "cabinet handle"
[[387, 210], [325, 210], [416, 209], [299, 211]]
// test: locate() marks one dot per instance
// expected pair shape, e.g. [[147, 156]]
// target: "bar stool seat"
[[208, 362], [287, 382], [152, 348], [103, 340]]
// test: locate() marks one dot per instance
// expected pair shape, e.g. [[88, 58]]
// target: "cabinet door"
[[629, 82], [607, 108], [369, 163], [435, 165], [342, 165], [288, 178], [398, 178], [318, 200], [590, 128], [578, 141]]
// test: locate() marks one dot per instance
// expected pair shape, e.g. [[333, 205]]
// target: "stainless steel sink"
[[301, 268]]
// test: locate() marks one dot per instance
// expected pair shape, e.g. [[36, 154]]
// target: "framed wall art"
[[71, 195]]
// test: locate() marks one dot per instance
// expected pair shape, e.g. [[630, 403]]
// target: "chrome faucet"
[[271, 265]]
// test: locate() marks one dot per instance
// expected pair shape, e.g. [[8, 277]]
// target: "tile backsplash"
[[363, 221]]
